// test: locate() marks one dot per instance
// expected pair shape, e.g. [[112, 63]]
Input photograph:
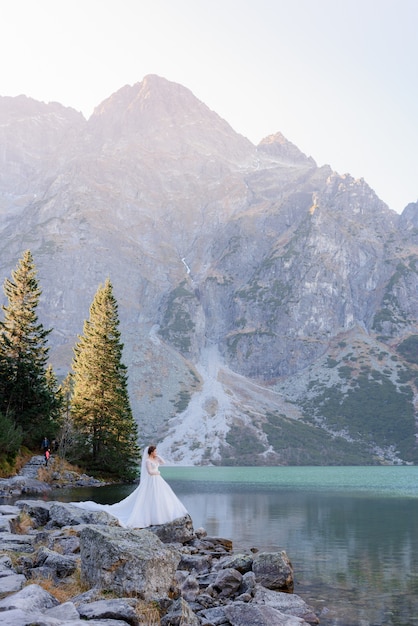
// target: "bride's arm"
[[160, 460], [151, 468]]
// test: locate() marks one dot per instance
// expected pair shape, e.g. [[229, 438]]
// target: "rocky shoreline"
[[55, 476], [63, 566]]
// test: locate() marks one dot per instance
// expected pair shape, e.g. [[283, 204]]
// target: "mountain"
[[268, 306]]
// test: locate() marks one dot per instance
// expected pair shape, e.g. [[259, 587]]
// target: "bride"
[[153, 501]]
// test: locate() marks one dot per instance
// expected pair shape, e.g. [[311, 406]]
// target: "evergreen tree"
[[67, 433], [10, 441], [107, 431], [25, 395]]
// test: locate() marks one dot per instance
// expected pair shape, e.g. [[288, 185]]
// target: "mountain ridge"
[[215, 246]]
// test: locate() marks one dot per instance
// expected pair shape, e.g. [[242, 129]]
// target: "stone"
[[286, 603], [64, 514], [190, 588], [227, 582], [38, 510], [5, 563], [196, 562], [247, 614], [60, 565], [241, 562], [118, 608], [30, 598], [69, 544], [214, 615], [17, 543], [180, 613], [130, 562], [248, 583], [65, 612], [12, 582], [178, 531], [274, 570]]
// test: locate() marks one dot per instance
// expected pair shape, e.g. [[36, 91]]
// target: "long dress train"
[[152, 502]]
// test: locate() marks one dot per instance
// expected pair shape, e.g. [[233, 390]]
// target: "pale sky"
[[337, 77]]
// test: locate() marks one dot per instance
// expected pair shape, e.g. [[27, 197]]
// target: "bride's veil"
[[144, 472]]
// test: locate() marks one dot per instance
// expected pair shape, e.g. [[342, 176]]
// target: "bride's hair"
[[151, 450]]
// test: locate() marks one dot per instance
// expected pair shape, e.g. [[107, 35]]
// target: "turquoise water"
[[350, 532], [387, 480]]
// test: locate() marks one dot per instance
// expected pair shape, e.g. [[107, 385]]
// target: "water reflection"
[[356, 555]]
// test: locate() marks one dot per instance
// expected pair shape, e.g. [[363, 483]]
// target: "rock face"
[[130, 563], [243, 274], [132, 577]]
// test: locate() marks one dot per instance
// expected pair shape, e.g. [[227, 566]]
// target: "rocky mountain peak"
[[284, 150], [167, 117]]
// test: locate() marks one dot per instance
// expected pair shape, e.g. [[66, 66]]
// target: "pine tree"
[[100, 404], [25, 395], [10, 441], [67, 433]]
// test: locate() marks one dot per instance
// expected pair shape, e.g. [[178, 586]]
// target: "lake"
[[350, 532]]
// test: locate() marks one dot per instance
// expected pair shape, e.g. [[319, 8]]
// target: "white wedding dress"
[[153, 501]]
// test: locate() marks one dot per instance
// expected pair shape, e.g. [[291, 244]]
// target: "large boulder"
[[129, 562]]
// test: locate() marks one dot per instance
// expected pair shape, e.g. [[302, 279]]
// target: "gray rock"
[[288, 603], [180, 613], [120, 609], [24, 485], [18, 617], [61, 565], [9, 509], [5, 563], [196, 562], [227, 582], [11, 583], [189, 588], [69, 544], [37, 509], [5, 523], [88, 596], [65, 612], [64, 514], [274, 570], [17, 543], [248, 583], [178, 531], [130, 562], [247, 614], [214, 615], [31, 598], [241, 562]]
